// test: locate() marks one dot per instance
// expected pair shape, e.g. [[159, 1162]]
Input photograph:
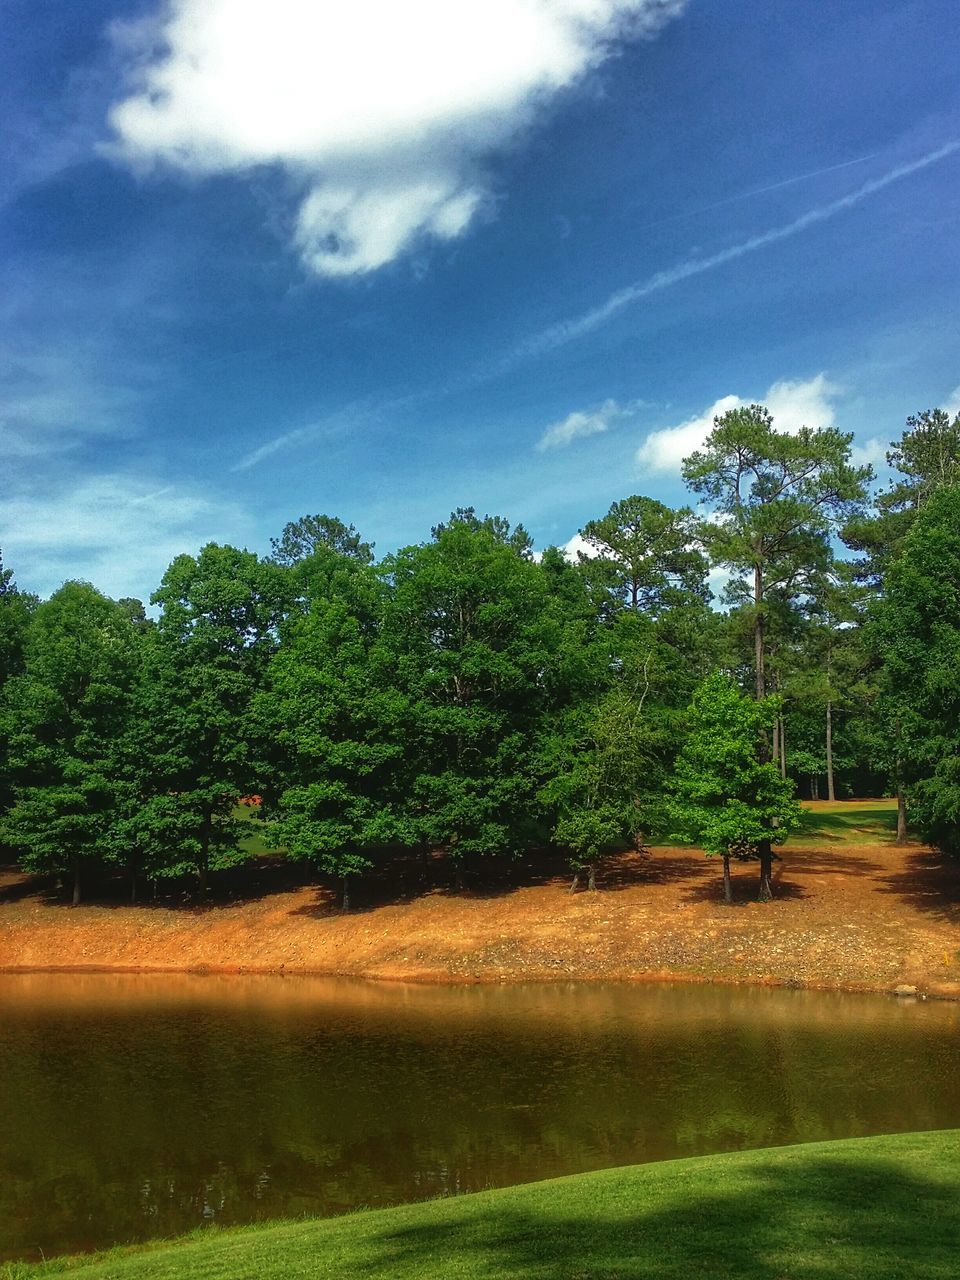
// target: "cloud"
[[381, 113], [574, 426], [558, 335], [117, 532], [872, 453], [51, 400], [952, 407], [578, 546], [792, 404], [665, 449]]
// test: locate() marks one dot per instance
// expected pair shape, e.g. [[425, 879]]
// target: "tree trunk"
[[766, 871], [758, 631], [76, 881], [776, 740], [831, 793], [345, 893], [814, 787], [727, 886], [592, 876], [901, 816], [202, 870], [783, 748], [575, 882]]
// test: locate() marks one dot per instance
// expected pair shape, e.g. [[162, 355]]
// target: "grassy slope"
[[846, 822], [873, 1208]]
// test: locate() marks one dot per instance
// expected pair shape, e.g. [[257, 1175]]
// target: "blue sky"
[[261, 260]]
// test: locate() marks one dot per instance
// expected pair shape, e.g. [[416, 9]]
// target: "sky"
[[260, 260]]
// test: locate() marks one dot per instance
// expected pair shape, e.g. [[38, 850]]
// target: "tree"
[[499, 526], [208, 655], [337, 717], [776, 499], [16, 611], [302, 538], [916, 634], [648, 554], [472, 630], [723, 797], [926, 459], [66, 716]]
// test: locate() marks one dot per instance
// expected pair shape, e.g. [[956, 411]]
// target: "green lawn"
[[870, 1208], [258, 843], [848, 822]]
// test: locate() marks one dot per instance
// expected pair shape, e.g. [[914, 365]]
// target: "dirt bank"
[[847, 915]]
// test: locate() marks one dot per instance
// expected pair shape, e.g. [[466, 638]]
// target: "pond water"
[[139, 1106]]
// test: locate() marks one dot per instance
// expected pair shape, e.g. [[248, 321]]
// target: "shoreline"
[[935, 991], [858, 915]]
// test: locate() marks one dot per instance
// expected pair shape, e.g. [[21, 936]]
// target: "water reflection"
[[140, 1106]]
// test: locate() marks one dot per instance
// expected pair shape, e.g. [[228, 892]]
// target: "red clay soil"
[[867, 916]]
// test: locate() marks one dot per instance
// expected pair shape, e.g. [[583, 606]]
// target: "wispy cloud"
[[584, 422], [739, 196], [558, 335], [117, 531], [382, 113], [53, 399]]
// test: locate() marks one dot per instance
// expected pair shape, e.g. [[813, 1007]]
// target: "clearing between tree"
[[852, 910]]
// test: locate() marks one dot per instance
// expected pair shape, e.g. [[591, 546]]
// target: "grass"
[[258, 844], [874, 1208], [847, 822]]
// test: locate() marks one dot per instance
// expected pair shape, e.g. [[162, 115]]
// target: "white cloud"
[[872, 452], [792, 404], [665, 449], [578, 546], [952, 407], [574, 426], [381, 111], [116, 532]]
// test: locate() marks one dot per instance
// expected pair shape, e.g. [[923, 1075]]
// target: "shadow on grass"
[[821, 1220], [860, 824]]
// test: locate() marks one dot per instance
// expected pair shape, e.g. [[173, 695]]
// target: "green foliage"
[[309, 535], [338, 718], [776, 497], [473, 636], [16, 612], [644, 552], [916, 633], [218, 629], [723, 797], [66, 717], [926, 458]]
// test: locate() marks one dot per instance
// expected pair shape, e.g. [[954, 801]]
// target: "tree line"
[[465, 694]]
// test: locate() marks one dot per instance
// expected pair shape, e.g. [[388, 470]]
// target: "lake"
[[142, 1105]]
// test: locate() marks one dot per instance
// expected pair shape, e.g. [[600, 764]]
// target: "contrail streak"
[[565, 331], [758, 191]]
